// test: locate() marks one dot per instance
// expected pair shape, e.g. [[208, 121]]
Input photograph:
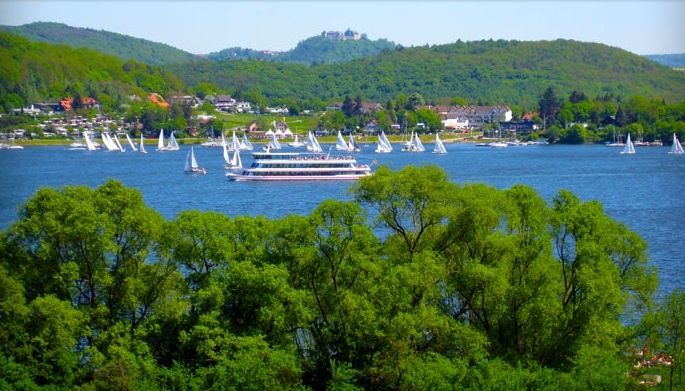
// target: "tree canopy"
[[451, 286]]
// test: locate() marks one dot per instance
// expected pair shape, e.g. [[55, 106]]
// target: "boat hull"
[[281, 178]]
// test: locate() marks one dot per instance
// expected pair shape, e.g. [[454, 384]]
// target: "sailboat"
[[191, 164], [384, 145], [109, 144], [439, 146], [352, 145], [296, 143], [340, 143], [173, 145], [89, 143], [313, 144], [77, 145], [142, 144], [415, 145], [234, 163], [130, 143], [246, 145], [629, 148], [273, 144], [160, 142], [118, 144], [234, 144], [676, 149]]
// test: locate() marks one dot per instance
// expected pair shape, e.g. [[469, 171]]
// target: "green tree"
[[549, 106]]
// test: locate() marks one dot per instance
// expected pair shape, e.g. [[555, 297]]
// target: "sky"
[[642, 27]]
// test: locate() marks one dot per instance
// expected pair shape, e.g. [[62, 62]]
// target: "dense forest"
[[36, 72], [122, 46], [452, 287], [494, 72]]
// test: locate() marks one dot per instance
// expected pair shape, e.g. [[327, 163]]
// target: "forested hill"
[[313, 50], [670, 60], [123, 46], [36, 71], [510, 72]]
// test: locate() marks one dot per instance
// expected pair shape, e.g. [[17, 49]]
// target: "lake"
[[645, 190]]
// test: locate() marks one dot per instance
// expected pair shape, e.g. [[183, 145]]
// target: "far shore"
[[327, 140]]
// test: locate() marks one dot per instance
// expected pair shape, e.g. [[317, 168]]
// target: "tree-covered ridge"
[[313, 50], [469, 287], [321, 50], [122, 46], [511, 72], [35, 72], [669, 60]]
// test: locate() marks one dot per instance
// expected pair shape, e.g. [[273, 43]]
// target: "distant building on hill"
[[342, 36]]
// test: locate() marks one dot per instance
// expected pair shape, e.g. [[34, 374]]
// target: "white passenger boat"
[[293, 166]]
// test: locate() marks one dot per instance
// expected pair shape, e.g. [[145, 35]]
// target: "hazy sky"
[[642, 27]]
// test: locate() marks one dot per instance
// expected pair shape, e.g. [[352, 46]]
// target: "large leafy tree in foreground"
[[452, 287]]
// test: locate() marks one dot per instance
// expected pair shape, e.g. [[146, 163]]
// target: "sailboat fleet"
[[288, 166]]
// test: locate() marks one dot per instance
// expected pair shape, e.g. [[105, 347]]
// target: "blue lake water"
[[645, 191]]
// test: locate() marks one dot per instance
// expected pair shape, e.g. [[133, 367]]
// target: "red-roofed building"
[[158, 100]]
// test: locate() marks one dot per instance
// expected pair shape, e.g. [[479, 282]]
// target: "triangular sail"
[[160, 141], [246, 144], [173, 145], [676, 148], [225, 148], [274, 142], [193, 162], [418, 146], [313, 144], [629, 148], [118, 144], [439, 146], [89, 142], [130, 143], [142, 144], [384, 145], [340, 143], [235, 162], [189, 166], [353, 146]]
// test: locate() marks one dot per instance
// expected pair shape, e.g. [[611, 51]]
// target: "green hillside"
[[320, 50], [36, 71], [491, 71], [123, 46], [313, 50]]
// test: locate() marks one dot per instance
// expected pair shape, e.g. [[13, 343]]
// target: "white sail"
[[160, 141], [341, 144], [234, 144], [225, 148], [142, 144], [173, 145], [296, 143], [89, 142], [130, 143], [246, 145], [439, 146], [415, 145], [109, 144], [676, 148], [629, 148], [118, 144], [191, 163], [384, 145], [352, 145], [313, 144], [274, 142], [235, 162]]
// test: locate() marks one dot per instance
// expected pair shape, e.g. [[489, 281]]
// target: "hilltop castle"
[[347, 35]]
